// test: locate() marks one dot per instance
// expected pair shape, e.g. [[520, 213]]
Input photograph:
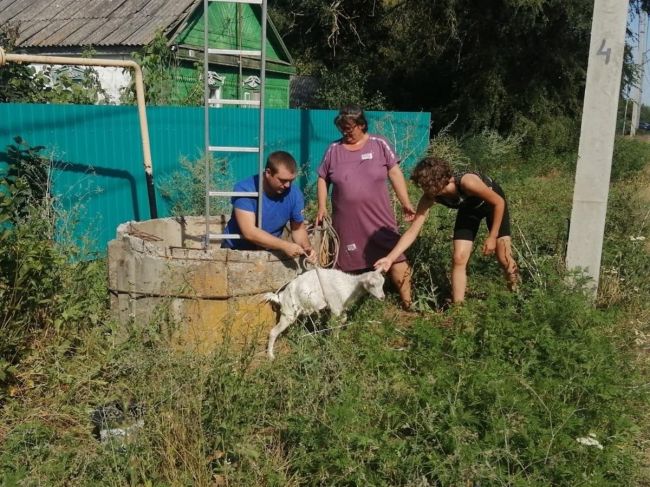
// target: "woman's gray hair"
[[351, 114]]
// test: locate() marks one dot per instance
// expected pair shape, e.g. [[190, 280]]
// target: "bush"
[[630, 156], [184, 190], [490, 152], [41, 289], [550, 143]]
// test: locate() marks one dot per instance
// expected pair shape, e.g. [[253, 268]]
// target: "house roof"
[[63, 23]]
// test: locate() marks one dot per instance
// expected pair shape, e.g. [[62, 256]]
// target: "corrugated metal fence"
[[96, 151]]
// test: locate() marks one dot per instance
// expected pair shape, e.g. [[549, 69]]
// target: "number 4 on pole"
[[604, 52]]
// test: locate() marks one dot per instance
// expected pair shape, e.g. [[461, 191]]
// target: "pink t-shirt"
[[361, 209]]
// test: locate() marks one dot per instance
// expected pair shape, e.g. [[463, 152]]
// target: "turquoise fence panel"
[[96, 151]]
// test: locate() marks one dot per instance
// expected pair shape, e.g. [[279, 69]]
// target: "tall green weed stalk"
[[184, 190]]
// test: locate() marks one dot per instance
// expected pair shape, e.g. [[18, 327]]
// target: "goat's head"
[[373, 282]]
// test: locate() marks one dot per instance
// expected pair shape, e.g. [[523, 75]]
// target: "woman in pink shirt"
[[357, 167]]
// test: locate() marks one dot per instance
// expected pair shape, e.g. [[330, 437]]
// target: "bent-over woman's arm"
[[409, 235]]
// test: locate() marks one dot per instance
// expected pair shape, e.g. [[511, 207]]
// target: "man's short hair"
[[281, 158]]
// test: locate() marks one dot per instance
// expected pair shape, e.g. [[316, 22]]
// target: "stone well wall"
[[158, 267]]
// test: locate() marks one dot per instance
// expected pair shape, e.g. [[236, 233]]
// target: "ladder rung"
[[219, 101], [254, 2], [236, 52], [219, 148], [232, 236], [233, 193]]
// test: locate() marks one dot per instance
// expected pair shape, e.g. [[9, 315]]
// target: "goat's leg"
[[339, 321], [282, 325]]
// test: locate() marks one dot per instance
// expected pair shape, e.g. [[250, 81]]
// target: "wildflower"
[[590, 440]]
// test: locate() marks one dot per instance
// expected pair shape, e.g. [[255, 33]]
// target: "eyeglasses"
[[347, 128]]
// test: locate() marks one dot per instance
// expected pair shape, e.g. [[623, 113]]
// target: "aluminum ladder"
[[211, 149]]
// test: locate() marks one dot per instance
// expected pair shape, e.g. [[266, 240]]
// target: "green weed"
[[184, 190]]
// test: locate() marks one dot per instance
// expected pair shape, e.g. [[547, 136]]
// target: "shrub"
[[41, 289], [630, 156], [185, 189], [549, 142], [490, 152]]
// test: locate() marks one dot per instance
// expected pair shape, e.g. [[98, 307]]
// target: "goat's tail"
[[270, 297]]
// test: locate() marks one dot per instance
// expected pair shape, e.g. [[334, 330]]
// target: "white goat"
[[318, 289]]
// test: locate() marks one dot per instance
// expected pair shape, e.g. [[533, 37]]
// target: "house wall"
[[276, 90], [111, 79], [223, 31], [227, 32]]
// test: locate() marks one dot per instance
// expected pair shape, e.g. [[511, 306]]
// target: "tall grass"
[[504, 390]]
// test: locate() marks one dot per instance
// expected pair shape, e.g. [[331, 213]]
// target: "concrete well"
[[159, 268]]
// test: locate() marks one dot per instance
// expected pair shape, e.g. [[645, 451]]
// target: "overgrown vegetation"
[[41, 291], [160, 72], [184, 189], [534, 388]]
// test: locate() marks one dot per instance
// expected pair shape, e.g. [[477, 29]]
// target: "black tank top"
[[461, 199]]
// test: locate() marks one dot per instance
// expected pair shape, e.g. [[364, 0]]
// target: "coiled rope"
[[325, 242]]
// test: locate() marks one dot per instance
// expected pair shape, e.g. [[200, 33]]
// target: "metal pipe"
[[139, 92]]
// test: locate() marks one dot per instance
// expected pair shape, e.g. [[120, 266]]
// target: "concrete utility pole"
[[597, 138], [640, 64]]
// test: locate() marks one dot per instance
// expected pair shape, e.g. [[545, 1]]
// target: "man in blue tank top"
[[281, 203]]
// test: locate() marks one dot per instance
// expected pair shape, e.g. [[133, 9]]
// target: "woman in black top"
[[475, 197]]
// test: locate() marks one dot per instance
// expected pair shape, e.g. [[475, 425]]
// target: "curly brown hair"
[[432, 174]]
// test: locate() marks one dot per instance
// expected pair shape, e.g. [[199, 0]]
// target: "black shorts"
[[469, 219]]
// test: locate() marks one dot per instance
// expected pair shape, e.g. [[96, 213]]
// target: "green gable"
[[234, 26]]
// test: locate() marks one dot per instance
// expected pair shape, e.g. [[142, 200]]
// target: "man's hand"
[[490, 246], [312, 258], [293, 250], [383, 264]]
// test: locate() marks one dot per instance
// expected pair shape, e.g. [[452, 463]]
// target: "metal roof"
[[62, 23]]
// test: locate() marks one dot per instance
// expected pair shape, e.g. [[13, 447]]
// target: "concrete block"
[[257, 276]]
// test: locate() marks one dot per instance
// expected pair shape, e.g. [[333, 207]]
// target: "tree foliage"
[[486, 64]]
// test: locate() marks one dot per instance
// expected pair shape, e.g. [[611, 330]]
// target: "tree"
[[486, 64]]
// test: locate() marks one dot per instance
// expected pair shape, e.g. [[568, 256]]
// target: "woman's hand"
[[320, 215], [409, 212], [490, 245], [383, 264]]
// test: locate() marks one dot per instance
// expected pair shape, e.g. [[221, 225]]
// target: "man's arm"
[[249, 231], [299, 235]]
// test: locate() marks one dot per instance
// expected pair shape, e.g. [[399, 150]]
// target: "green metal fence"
[[96, 151]]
